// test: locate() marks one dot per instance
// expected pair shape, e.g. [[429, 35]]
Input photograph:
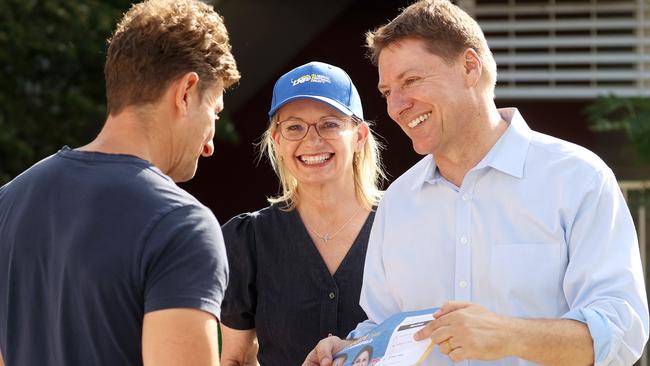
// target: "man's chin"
[[184, 176], [420, 150], [182, 179]]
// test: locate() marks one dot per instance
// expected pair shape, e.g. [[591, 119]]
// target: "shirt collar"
[[429, 173], [507, 155]]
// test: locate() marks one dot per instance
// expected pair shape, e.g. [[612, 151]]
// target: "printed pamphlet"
[[391, 343]]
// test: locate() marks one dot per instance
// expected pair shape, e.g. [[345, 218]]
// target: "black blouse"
[[281, 287]]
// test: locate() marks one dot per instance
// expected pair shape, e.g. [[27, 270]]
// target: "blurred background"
[[576, 69]]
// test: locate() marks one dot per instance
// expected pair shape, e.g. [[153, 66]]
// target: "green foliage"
[[52, 55], [631, 115], [51, 66]]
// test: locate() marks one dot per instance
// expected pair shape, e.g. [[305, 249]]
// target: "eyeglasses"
[[328, 128]]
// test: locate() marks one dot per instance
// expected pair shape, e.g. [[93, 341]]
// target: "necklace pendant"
[[327, 237]]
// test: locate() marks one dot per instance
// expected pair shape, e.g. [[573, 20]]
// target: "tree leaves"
[[52, 91], [631, 115], [51, 67]]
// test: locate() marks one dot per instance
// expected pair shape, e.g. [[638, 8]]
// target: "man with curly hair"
[[104, 260]]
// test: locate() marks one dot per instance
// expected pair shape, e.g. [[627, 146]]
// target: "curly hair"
[[159, 40]]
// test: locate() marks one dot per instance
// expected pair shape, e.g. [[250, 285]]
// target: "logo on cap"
[[314, 78]]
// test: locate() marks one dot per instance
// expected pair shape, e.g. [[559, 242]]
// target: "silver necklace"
[[327, 237]]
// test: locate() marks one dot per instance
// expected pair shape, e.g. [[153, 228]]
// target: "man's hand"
[[468, 331], [321, 355]]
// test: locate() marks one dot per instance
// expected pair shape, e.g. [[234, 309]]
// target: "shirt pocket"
[[526, 278]]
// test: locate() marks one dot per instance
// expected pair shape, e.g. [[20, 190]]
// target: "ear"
[[185, 88], [472, 67], [276, 136], [363, 130]]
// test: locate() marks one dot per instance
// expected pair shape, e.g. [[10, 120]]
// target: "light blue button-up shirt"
[[539, 229]]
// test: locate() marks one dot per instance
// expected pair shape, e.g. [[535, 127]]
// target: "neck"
[[481, 128], [330, 211], [328, 200], [130, 133]]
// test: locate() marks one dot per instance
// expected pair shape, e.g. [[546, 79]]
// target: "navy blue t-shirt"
[[89, 243]]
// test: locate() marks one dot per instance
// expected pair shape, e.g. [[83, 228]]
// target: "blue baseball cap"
[[319, 81]]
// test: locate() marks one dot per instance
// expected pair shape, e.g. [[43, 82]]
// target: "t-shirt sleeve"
[[184, 262], [241, 296]]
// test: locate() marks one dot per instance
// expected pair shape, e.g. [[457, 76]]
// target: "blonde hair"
[[367, 170], [446, 30], [159, 40]]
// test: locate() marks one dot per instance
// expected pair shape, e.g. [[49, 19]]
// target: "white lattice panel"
[[557, 49]]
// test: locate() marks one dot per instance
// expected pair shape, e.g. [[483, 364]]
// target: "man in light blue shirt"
[[525, 240]]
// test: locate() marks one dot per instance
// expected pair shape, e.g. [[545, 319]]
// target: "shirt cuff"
[[598, 328]]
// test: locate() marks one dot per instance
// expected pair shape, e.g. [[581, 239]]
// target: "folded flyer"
[[391, 343]]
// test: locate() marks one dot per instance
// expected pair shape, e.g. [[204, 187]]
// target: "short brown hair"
[[159, 40], [446, 30]]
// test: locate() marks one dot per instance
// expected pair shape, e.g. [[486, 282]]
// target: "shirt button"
[[462, 284], [332, 295], [466, 197], [463, 239]]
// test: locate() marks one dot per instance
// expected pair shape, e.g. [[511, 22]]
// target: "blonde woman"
[[297, 266]]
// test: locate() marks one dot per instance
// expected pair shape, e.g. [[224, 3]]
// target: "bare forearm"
[[250, 358], [247, 358], [239, 347], [552, 341], [238, 363]]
